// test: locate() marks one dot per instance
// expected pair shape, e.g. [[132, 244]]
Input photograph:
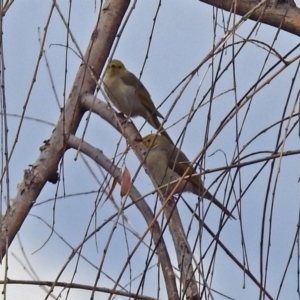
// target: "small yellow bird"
[[129, 95], [168, 163]]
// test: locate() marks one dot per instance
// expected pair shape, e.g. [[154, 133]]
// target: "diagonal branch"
[[183, 252], [45, 167], [143, 207]]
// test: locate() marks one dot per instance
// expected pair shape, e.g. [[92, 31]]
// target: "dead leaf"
[[125, 181]]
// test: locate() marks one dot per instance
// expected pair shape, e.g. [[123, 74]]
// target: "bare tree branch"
[[143, 207], [45, 167], [279, 15], [80, 286], [183, 252]]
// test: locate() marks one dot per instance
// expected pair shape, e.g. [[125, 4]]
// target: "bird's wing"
[[148, 104], [130, 79], [180, 163]]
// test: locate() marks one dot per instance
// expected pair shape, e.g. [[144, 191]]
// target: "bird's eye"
[[112, 66]]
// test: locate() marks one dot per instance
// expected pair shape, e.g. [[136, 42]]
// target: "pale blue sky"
[[182, 38]]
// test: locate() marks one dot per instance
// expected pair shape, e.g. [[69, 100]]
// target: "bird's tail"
[[210, 197], [156, 124]]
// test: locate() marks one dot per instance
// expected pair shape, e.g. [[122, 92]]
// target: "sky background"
[[183, 35]]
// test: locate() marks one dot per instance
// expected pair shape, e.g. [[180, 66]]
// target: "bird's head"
[[115, 67], [152, 140]]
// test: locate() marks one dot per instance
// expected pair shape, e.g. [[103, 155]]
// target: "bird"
[[167, 163], [127, 93]]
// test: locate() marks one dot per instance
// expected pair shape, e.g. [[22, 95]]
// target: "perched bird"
[[168, 163], [129, 95]]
